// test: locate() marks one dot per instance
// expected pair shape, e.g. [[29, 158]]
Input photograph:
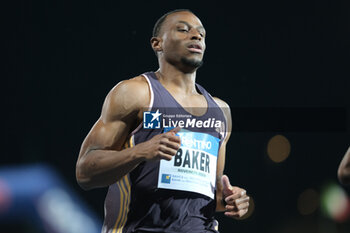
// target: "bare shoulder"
[[227, 112], [136, 87], [127, 97], [221, 103]]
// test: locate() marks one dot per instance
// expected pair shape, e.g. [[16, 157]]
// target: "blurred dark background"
[[282, 66]]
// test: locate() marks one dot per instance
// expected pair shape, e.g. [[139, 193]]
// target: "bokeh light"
[[278, 148], [335, 203], [308, 202]]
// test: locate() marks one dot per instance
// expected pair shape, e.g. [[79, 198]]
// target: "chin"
[[192, 62]]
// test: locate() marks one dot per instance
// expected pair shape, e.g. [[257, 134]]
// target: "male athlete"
[[160, 141], [344, 169]]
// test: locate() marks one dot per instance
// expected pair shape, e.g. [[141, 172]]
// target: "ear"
[[156, 43]]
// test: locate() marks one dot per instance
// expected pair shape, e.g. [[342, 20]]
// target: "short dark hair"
[[160, 21]]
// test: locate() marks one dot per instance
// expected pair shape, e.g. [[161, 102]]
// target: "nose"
[[195, 34]]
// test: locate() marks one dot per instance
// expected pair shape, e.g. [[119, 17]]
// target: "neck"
[[174, 79]]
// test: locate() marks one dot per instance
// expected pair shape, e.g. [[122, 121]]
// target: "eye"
[[182, 30]]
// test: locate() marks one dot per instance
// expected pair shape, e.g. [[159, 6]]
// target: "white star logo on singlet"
[[156, 115]]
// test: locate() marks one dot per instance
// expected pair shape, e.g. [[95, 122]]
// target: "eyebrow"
[[184, 22]]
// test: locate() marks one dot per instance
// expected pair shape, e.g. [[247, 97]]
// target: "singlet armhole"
[[149, 106]]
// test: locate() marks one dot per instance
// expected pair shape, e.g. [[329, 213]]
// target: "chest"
[[195, 104]]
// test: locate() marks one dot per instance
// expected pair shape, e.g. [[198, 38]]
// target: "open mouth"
[[195, 48]]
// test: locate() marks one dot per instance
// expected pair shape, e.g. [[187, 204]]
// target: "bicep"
[[119, 116], [105, 136]]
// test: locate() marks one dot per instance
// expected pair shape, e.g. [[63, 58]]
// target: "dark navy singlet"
[[170, 196]]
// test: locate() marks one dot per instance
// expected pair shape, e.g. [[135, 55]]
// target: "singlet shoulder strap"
[[153, 80], [208, 97]]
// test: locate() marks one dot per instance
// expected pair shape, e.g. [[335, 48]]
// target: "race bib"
[[193, 168]]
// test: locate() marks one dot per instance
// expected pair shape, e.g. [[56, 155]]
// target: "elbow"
[[82, 177], [343, 176], [83, 183]]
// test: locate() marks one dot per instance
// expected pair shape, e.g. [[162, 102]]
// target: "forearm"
[[101, 168], [344, 169], [219, 197], [219, 203]]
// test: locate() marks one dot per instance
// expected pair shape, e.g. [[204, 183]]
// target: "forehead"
[[183, 16]]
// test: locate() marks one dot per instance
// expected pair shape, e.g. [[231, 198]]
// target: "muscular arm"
[[102, 160], [344, 169], [237, 202], [222, 155]]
